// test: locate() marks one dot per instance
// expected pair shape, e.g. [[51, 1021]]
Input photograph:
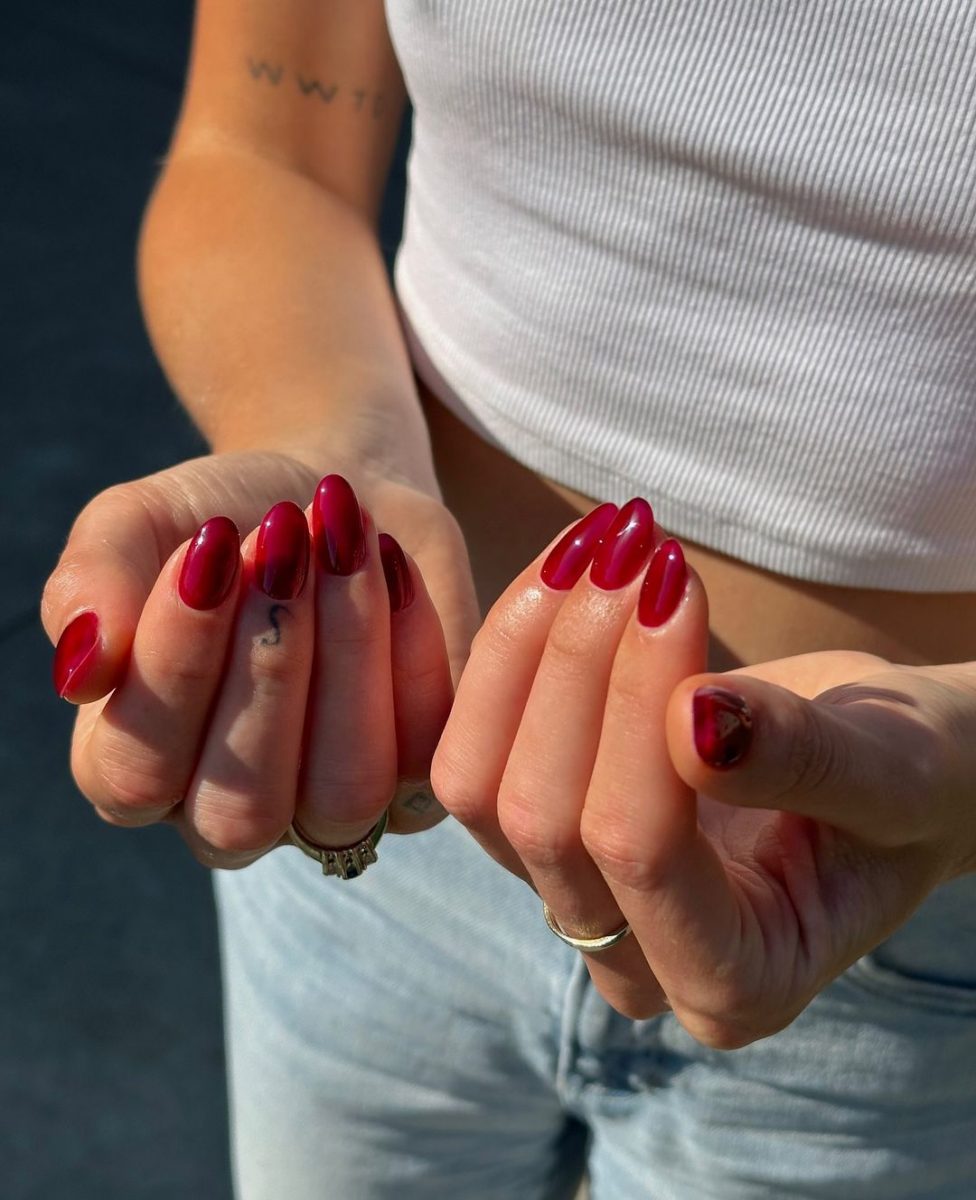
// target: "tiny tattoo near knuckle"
[[273, 638], [419, 802]]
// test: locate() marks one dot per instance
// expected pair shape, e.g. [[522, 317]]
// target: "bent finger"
[[138, 756], [639, 822], [349, 768], [422, 688], [493, 691], [242, 796]]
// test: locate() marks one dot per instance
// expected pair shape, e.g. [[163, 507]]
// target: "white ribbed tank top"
[[721, 254]]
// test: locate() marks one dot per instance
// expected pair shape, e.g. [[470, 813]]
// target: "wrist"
[[376, 442]]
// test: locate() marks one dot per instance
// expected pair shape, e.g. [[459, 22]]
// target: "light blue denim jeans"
[[419, 1033]]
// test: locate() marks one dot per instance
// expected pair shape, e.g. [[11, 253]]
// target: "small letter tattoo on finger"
[[272, 639]]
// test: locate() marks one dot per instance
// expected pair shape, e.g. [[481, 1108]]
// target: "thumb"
[[855, 757]]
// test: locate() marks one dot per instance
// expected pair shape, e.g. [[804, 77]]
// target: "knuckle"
[[223, 825], [120, 818], [501, 634], [129, 789], [182, 675], [573, 644], [218, 860], [720, 1033], [733, 1015], [348, 793], [359, 629], [275, 669], [639, 1007], [815, 756], [627, 689], [535, 837], [620, 860], [456, 788]]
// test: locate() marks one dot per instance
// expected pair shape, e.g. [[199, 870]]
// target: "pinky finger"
[[422, 688]]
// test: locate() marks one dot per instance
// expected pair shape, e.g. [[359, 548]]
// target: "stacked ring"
[[345, 861]]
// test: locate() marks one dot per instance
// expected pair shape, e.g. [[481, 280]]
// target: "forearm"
[[268, 304]]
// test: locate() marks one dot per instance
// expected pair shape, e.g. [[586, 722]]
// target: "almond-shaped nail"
[[338, 528], [282, 551], [626, 547], [396, 571], [722, 726], [573, 553], [210, 565], [663, 586], [76, 653]]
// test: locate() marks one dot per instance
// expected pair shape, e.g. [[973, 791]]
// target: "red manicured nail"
[[338, 527], [76, 652], [396, 570], [626, 546], [663, 586], [210, 565], [573, 553], [723, 726], [281, 553]]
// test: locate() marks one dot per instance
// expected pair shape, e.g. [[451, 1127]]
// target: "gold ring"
[[589, 945], [345, 861]]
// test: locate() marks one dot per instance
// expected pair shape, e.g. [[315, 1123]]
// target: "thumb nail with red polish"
[[76, 653], [722, 726]]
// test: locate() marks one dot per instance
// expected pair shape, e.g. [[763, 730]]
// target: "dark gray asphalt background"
[[111, 1063]]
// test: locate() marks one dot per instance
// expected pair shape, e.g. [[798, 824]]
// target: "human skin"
[[750, 886], [242, 306], [267, 301]]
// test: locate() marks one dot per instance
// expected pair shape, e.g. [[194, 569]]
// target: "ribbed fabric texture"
[[722, 254]]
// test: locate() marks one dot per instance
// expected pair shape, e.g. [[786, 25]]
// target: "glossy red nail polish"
[[625, 548], [573, 553], [722, 725], [76, 653], [210, 564], [396, 571], [281, 553], [338, 527], [663, 586]]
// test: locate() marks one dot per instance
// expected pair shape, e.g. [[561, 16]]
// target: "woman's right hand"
[[228, 711]]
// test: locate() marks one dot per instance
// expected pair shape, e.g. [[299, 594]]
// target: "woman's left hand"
[[759, 830]]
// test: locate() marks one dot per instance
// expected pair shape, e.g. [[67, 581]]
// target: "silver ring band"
[[345, 861], [588, 945]]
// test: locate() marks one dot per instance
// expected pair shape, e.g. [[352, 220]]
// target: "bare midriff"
[[509, 513]]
